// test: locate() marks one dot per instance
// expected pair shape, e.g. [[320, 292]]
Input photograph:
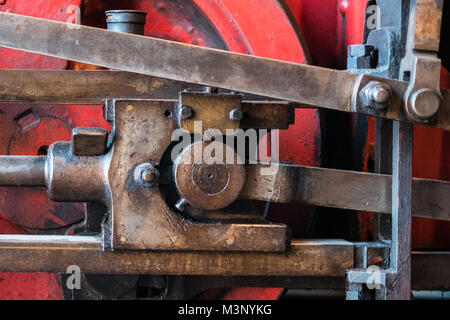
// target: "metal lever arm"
[[276, 183], [307, 85]]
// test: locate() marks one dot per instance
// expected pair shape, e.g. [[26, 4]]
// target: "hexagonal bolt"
[[376, 95], [186, 112], [236, 115], [146, 175], [424, 105]]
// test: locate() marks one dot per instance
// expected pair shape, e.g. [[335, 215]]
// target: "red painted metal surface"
[[29, 211], [29, 130], [259, 27], [318, 21], [49, 9]]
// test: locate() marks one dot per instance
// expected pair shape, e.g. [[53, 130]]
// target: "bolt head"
[[236, 114], [375, 96], [424, 104], [146, 174], [185, 112], [380, 94]]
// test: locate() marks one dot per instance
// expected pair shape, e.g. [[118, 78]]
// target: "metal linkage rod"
[[22, 171], [276, 183], [304, 258], [55, 253], [178, 61], [303, 84], [84, 87], [342, 189]]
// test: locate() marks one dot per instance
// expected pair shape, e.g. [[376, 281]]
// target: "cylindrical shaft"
[[129, 21], [22, 170]]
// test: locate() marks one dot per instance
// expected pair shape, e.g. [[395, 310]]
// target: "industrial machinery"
[[168, 167]]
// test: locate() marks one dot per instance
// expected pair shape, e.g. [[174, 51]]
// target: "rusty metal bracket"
[[213, 110]]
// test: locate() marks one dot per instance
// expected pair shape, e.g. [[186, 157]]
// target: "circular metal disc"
[[208, 175]]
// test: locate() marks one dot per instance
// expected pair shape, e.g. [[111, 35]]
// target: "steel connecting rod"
[[287, 184], [306, 85]]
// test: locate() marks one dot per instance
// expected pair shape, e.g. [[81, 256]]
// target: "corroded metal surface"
[[316, 86], [95, 87], [89, 141], [427, 33], [313, 258], [86, 87], [209, 181], [304, 258], [267, 115], [22, 171], [141, 217], [177, 61], [213, 110], [342, 189]]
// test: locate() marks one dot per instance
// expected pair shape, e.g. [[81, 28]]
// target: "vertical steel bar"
[[383, 165], [399, 280]]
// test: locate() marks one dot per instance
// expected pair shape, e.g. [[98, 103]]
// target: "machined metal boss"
[[209, 175]]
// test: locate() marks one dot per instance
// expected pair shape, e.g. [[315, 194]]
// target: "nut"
[[375, 96]]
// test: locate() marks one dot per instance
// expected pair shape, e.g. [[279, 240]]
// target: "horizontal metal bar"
[[342, 189], [55, 254], [40, 242], [305, 259], [178, 61], [420, 280], [288, 184], [84, 87], [22, 170], [303, 84]]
